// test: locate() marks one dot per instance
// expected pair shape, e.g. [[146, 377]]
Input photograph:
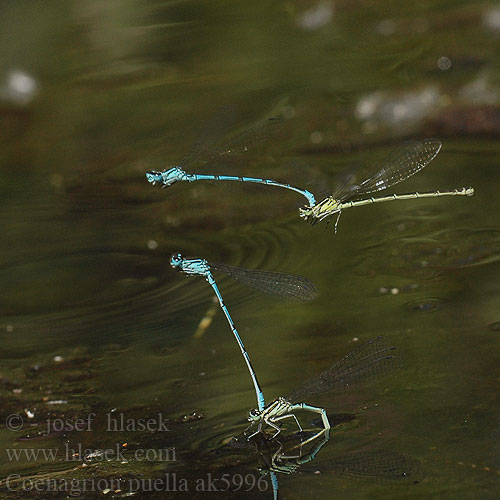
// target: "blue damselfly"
[[201, 155], [281, 285]]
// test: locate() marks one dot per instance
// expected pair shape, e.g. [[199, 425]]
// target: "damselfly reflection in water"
[[281, 285], [201, 154], [398, 166], [368, 361], [379, 466], [280, 457]]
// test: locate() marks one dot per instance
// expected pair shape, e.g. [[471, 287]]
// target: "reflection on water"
[[94, 320]]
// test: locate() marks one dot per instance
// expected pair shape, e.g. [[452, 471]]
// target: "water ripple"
[[437, 251], [424, 305]]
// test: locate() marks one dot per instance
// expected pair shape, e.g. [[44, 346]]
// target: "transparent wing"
[[368, 361], [281, 285], [384, 467], [347, 182], [220, 124], [398, 166], [241, 142]]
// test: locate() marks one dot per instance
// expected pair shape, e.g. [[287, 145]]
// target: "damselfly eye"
[[176, 259], [262, 471], [153, 177], [253, 414]]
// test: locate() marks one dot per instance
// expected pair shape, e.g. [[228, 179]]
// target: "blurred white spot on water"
[[171, 220], [444, 63], [491, 19], [402, 112], [317, 16], [152, 244], [480, 91], [56, 181], [316, 137], [368, 105], [386, 27], [19, 88]]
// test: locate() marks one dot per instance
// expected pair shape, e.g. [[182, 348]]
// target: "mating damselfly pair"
[[374, 358], [370, 360], [351, 184]]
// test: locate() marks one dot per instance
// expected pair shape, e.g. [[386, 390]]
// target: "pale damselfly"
[[238, 143], [366, 362], [280, 285], [398, 166]]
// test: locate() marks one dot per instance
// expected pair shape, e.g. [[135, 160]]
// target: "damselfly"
[[398, 166], [238, 143], [372, 359], [281, 285]]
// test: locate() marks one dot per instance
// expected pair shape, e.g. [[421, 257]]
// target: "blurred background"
[[93, 319]]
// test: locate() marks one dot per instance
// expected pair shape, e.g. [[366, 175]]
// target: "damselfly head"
[[305, 212], [154, 177], [310, 214], [254, 415], [176, 261], [263, 471]]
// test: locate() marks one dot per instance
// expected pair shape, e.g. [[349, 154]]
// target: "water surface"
[[94, 320]]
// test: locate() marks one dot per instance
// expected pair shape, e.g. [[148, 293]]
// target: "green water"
[[95, 322]]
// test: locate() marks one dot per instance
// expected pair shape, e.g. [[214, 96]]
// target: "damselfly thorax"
[[279, 410], [165, 178], [325, 208]]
